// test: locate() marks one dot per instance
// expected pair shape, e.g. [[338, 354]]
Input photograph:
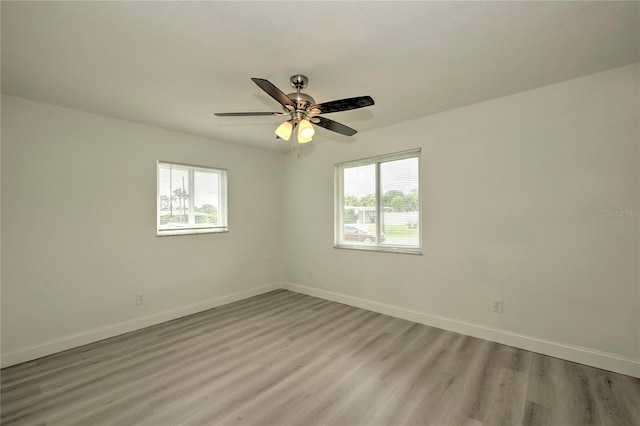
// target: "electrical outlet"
[[497, 306], [139, 299]]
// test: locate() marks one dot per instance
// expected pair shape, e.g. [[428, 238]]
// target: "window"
[[378, 203], [191, 199]]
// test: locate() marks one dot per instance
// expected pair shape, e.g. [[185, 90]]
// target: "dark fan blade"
[[245, 114], [334, 126], [274, 92], [342, 105]]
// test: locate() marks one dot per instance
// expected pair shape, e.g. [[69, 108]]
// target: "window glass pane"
[[174, 196], [206, 203], [359, 205], [399, 186]]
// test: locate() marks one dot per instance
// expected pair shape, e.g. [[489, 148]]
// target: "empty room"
[[320, 213]]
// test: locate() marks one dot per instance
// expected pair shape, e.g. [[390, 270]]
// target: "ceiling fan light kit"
[[302, 110], [284, 130], [305, 131]]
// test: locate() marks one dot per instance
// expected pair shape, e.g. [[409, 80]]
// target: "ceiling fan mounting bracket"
[[299, 81]]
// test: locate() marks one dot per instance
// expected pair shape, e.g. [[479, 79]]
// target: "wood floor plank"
[[422, 391], [508, 399], [294, 408], [131, 343], [202, 373], [300, 361], [283, 358], [141, 368]]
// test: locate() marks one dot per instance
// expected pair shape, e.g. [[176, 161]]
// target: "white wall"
[[514, 198], [515, 192], [78, 228]]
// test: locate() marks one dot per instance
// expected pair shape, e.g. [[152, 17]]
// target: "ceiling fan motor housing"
[[302, 100]]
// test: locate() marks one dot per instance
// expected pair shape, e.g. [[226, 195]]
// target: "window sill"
[[190, 231], [399, 250]]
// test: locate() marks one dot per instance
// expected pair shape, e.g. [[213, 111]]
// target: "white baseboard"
[[68, 342], [604, 360]]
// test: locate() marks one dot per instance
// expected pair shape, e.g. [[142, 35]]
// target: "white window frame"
[[221, 212], [339, 203]]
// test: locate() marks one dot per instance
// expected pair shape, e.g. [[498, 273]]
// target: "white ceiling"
[[173, 64]]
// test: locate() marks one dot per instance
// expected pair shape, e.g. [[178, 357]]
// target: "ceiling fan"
[[302, 110]]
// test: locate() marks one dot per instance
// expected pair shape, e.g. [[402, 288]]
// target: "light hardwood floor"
[[284, 358]]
